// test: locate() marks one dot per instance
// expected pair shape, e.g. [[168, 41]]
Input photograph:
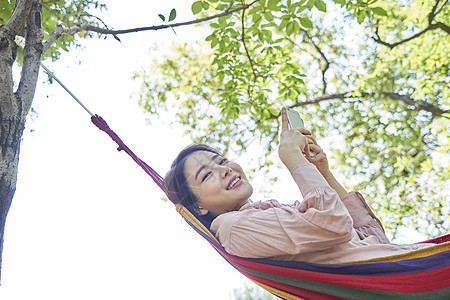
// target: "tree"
[[372, 76], [252, 293], [48, 27]]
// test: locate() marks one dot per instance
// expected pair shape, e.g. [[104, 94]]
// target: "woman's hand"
[[319, 159], [321, 162], [292, 144]]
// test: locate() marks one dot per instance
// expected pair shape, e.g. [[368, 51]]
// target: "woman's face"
[[219, 185]]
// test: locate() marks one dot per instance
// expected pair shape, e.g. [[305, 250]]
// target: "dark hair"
[[176, 185]]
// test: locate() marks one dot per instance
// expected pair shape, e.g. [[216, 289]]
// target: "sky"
[[86, 222]]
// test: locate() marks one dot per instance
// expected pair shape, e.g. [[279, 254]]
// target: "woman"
[[329, 225]]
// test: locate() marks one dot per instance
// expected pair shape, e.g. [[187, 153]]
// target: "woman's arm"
[[364, 220], [340, 190], [267, 229], [320, 160], [293, 142]]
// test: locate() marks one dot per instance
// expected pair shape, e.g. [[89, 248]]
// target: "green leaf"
[[173, 15], [267, 33], [290, 28], [274, 111], [162, 17], [283, 23], [361, 15], [5, 11], [196, 7], [272, 4], [321, 5], [379, 11], [205, 5], [305, 22], [265, 114], [221, 6], [214, 41], [268, 15]]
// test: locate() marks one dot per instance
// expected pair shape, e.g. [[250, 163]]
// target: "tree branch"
[[419, 105], [431, 26], [441, 26], [245, 45], [327, 63], [32, 57], [18, 18], [87, 27], [435, 10], [393, 45]]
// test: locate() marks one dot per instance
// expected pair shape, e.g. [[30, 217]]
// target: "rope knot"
[[100, 123]]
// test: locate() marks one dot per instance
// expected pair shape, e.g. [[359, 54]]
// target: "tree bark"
[[14, 107]]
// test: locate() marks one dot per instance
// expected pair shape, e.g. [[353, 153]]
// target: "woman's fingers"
[[305, 131], [296, 135], [308, 134], [314, 147], [307, 152], [284, 120]]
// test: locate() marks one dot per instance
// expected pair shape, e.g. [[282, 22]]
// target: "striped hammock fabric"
[[420, 274]]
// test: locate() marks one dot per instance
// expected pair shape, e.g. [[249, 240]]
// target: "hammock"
[[423, 273]]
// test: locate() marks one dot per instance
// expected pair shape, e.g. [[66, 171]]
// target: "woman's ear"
[[201, 211]]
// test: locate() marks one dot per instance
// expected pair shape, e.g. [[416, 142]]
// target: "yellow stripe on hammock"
[[277, 292], [424, 252], [194, 221]]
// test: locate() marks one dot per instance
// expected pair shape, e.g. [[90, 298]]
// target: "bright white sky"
[[86, 222]]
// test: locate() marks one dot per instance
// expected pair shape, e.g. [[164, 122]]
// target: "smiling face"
[[219, 185]]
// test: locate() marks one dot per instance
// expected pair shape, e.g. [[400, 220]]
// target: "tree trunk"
[[11, 129], [14, 107]]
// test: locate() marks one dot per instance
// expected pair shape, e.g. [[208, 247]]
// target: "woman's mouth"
[[234, 182]]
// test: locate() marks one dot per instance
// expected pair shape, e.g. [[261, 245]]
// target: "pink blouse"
[[321, 229]]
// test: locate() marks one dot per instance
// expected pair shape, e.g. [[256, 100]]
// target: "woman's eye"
[[206, 176], [224, 160]]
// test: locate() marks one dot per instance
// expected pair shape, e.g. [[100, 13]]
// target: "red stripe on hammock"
[[417, 282]]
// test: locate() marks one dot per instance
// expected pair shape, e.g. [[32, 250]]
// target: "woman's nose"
[[225, 171]]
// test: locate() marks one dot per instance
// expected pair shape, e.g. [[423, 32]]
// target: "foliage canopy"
[[371, 76]]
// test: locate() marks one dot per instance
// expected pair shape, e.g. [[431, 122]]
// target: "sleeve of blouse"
[[317, 223], [364, 220]]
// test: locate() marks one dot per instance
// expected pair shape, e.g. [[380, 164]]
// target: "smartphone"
[[296, 122], [294, 118]]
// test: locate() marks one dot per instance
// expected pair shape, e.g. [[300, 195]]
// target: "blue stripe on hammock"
[[413, 265]]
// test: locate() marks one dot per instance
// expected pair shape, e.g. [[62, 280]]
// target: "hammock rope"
[[102, 125], [52, 75]]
